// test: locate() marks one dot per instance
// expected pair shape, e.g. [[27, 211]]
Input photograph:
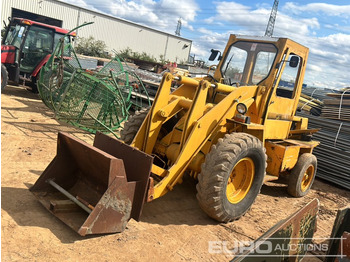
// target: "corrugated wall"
[[116, 33]]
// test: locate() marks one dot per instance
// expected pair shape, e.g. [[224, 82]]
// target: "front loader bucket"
[[94, 189]]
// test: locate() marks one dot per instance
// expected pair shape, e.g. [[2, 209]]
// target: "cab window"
[[248, 63], [15, 35], [39, 39], [289, 79]]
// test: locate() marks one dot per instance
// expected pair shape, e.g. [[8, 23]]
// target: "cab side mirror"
[[294, 61], [214, 54]]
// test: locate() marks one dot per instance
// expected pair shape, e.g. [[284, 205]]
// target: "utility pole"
[[178, 27], [271, 23]]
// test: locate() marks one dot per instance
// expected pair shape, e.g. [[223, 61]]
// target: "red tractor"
[[26, 47]]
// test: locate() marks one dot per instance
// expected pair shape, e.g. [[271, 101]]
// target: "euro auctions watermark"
[[275, 247]]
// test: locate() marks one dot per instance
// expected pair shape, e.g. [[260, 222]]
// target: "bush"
[[91, 47], [127, 53]]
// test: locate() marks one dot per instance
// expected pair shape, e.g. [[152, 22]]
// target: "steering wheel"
[[228, 82], [211, 77], [235, 83]]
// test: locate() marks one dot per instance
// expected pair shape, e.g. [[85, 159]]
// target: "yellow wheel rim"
[[307, 178], [240, 180]]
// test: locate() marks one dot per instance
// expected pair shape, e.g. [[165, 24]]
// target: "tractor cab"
[[251, 61], [26, 47]]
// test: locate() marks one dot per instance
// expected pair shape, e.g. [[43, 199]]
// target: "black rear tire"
[[221, 168], [132, 125], [34, 85], [302, 175], [4, 77]]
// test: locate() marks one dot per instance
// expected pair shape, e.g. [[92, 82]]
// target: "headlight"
[[242, 108]]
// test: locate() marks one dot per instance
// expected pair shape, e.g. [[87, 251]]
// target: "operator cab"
[[27, 45], [247, 63]]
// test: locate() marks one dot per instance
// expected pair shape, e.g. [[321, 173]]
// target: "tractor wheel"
[[4, 77], [132, 125], [302, 175], [34, 85], [231, 176]]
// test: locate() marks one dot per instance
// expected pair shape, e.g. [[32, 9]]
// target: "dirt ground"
[[172, 228]]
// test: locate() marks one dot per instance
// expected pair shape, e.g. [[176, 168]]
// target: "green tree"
[[91, 47]]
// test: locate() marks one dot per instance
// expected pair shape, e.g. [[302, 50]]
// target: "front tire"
[[132, 125], [4, 77], [231, 176]]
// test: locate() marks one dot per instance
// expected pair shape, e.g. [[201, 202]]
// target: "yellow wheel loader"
[[233, 131]]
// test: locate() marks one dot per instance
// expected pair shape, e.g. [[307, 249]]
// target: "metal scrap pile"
[[333, 154], [92, 101]]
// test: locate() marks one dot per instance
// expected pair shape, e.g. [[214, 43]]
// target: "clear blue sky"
[[323, 26]]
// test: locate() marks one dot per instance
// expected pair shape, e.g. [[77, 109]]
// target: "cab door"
[[285, 96]]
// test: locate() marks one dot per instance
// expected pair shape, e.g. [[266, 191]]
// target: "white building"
[[118, 34]]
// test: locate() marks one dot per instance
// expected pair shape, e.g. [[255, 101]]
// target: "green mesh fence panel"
[[93, 101]]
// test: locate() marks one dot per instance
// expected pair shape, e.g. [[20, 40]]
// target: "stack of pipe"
[[310, 104], [333, 154], [316, 92], [339, 106]]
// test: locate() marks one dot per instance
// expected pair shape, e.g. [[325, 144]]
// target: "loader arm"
[[202, 120]]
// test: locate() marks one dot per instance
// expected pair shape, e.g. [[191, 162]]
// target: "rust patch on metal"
[[150, 192], [297, 230], [344, 248], [339, 244], [137, 164]]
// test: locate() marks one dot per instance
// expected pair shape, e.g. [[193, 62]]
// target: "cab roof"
[[31, 22]]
